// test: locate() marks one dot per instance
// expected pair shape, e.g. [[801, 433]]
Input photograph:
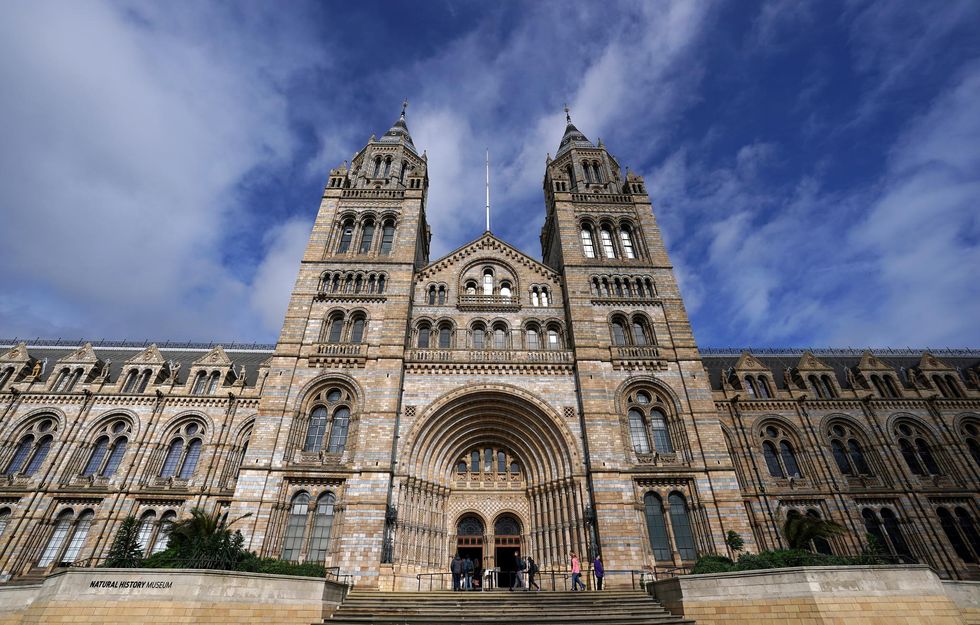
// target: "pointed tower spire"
[[573, 138], [398, 133]]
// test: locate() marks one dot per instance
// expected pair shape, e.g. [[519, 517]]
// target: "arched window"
[[432, 295], [505, 290], [894, 534], [848, 452], [554, 341], [189, 464], [570, 172], [534, 344], [381, 284], [879, 386], [969, 530], [322, 525], [501, 462], [618, 332], [96, 457], [598, 171], [118, 451], [816, 386], [387, 167], [783, 464], [872, 525], [656, 527], [336, 328], [445, 336], [5, 376], [488, 282], [474, 461], [59, 535], [67, 539], [442, 295], [952, 530], [638, 432], [346, 236], [890, 385], [772, 460], [424, 336], [605, 236], [200, 383], [681, 524], [750, 387], [534, 297], [916, 451], [61, 380], [828, 385], [295, 527], [588, 243], [544, 296], [971, 434], [820, 544], [479, 336], [338, 430], [132, 378], [940, 384], [387, 237], [357, 330], [377, 167], [213, 382], [174, 452], [641, 332], [765, 392], [315, 429], [38, 456], [587, 168], [626, 237], [144, 534], [367, 237], [951, 383], [144, 380], [658, 425], [470, 287], [163, 532], [20, 455]]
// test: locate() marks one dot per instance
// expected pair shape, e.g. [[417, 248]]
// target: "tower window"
[[588, 245], [488, 282], [627, 239], [387, 237], [607, 243], [346, 235], [367, 237]]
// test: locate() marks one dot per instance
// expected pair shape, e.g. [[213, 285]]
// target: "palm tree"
[[800, 531], [207, 541]]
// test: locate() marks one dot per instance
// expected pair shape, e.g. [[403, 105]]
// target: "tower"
[[640, 377], [321, 453]]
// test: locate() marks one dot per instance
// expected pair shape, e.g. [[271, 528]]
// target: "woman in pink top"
[[576, 573]]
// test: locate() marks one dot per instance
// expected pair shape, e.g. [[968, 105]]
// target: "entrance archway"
[[470, 539], [498, 452], [507, 547]]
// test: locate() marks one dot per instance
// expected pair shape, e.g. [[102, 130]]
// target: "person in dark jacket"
[[456, 568], [519, 568], [598, 571], [468, 573], [532, 570]]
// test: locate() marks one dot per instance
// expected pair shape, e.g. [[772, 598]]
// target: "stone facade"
[[485, 402]]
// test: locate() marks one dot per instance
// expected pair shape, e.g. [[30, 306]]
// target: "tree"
[[126, 551], [734, 541], [801, 530], [206, 541]]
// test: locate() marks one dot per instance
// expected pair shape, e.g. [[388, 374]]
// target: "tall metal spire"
[[488, 189]]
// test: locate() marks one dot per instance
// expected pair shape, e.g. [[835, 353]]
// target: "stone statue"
[[241, 374], [36, 371]]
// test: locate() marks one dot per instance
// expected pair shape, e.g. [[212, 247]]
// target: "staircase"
[[609, 607]]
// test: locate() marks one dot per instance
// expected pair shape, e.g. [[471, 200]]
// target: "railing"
[[105, 343], [547, 580], [540, 356], [605, 198], [630, 352], [393, 194], [489, 301], [342, 349]]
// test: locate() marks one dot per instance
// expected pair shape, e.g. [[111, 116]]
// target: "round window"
[[642, 398], [905, 429], [838, 430], [772, 432], [191, 429], [118, 427], [44, 426], [971, 429], [334, 395]]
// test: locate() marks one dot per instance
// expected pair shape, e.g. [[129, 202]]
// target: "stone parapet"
[[869, 595]]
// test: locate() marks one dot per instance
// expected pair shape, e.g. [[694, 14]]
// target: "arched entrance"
[[498, 454], [470, 538]]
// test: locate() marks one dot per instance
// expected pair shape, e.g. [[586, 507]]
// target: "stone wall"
[[966, 596], [869, 595], [169, 596]]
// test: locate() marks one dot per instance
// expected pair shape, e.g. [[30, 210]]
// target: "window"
[[377, 167], [640, 332], [4, 519], [488, 282], [505, 290], [657, 527], [626, 237], [432, 295], [544, 296], [829, 389], [145, 532], [534, 297], [357, 330], [848, 452], [97, 456], [387, 167], [783, 463], [959, 533], [200, 383], [470, 287], [570, 172], [553, 339], [971, 434], [638, 432], [295, 527], [346, 236], [763, 388], [338, 430], [183, 453], [681, 523], [588, 245], [163, 532], [336, 329], [618, 332], [445, 336], [387, 237], [890, 385], [442, 295], [424, 337], [479, 335], [532, 344], [501, 464], [658, 425], [5, 376], [367, 236], [67, 531], [915, 450], [131, 380], [820, 544], [213, 382], [322, 525], [607, 243]]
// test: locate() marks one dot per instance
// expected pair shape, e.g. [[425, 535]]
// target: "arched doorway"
[[507, 547], [470, 538], [495, 452]]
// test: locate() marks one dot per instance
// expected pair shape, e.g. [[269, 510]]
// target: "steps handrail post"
[[418, 578]]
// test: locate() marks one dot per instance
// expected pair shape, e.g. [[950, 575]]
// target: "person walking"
[[576, 573], [468, 573], [519, 567], [532, 570], [598, 571], [456, 568]]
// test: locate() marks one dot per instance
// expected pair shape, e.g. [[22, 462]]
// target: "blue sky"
[[814, 166]]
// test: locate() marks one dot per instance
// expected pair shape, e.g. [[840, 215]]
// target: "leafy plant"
[[801, 530], [126, 551], [734, 541], [205, 541]]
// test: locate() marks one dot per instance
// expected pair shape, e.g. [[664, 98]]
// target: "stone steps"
[[502, 608]]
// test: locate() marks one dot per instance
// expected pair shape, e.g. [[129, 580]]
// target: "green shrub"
[[781, 559], [126, 551], [713, 564], [255, 564]]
